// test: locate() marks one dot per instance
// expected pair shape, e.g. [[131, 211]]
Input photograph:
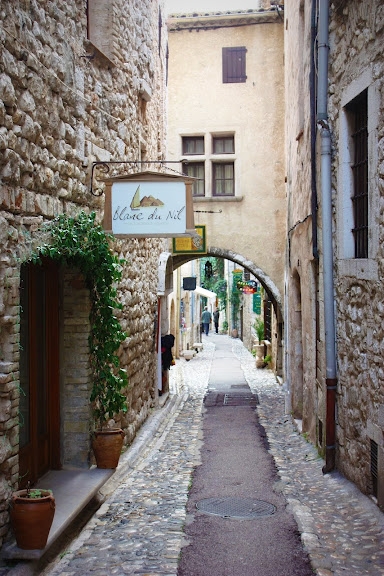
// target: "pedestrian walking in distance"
[[206, 319], [216, 316]]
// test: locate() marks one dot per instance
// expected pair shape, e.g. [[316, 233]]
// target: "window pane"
[[196, 170], [193, 145], [223, 179], [223, 145], [359, 110]]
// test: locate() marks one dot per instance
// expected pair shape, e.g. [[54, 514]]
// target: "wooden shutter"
[[234, 64]]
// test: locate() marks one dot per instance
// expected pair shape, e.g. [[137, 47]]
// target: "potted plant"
[[267, 360], [82, 242], [259, 329], [32, 513], [259, 348]]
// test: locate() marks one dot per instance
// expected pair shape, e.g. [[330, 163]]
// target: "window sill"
[[218, 199], [360, 268]]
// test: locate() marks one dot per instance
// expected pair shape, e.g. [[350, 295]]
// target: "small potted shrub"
[[259, 348], [32, 512]]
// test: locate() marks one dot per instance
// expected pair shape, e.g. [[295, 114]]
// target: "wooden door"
[[39, 371]]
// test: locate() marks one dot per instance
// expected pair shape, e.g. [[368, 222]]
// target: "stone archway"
[[266, 282], [270, 287]]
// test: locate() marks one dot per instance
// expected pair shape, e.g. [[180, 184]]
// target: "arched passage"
[[267, 283]]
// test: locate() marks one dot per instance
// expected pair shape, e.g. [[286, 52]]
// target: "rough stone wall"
[[138, 294], [357, 37], [75, 409], [304, 377], [62, 106], [355, 63]]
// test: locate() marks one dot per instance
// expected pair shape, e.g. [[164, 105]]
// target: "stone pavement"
[[139, 528]]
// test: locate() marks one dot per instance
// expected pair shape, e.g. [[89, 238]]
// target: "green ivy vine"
[[79, 241]]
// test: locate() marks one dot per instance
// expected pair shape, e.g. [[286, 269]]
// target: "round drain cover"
[[239, 508]]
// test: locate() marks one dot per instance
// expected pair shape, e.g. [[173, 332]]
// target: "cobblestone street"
[[139, 528]]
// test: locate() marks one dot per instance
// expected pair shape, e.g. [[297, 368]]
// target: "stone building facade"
[[354, 120], [79, 82], [227, 127]]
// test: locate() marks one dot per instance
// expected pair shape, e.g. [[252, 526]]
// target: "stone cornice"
[[209, 20]]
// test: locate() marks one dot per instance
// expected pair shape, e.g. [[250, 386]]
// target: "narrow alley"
[[146, 521]]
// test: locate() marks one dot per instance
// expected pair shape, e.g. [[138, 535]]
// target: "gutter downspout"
[[326, 195], [312, 89]]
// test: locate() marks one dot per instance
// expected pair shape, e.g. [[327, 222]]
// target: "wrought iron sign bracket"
[[105, 164], [208, 211]]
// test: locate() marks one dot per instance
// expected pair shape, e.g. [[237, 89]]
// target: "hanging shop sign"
[[256, 304], [189, 283], [196, 244], [247, 286], [149, 205]]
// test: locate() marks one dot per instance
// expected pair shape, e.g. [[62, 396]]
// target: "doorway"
[[39, 371]]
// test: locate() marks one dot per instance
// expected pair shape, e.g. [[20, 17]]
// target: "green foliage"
[[215, 283], [81, 242], [259, 328], [267, 359], [36, 493], [235, 299], [220, 287]]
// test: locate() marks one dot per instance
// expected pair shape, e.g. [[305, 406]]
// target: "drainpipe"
[[312, 90], [326, 195]]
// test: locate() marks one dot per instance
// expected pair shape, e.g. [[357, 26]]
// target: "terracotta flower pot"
[[107, 445], [31, 519]]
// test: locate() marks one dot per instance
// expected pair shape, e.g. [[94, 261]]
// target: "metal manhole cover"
[[240, 399], [238, 508], [214, 398]]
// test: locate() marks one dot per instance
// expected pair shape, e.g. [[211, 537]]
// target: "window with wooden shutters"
[[196, 170], [358, 108], [223, 179], [234, 65]]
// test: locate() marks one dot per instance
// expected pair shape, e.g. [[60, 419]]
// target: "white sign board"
[[148, 208]]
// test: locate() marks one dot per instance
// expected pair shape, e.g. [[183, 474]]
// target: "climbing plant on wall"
[[81, 242]]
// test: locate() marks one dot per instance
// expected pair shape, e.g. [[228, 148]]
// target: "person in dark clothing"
[[216, 316], [206, 319], [167, 361], [167, 343]]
